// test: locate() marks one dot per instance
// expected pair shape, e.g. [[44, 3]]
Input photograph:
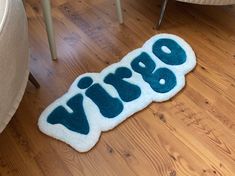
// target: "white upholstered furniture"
[[46, 5], [14, 54], [202, 2], [210, 2]]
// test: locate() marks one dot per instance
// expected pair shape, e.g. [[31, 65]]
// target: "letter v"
[[75, 121]]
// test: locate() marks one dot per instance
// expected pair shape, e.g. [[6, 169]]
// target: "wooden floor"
[[192, 134]]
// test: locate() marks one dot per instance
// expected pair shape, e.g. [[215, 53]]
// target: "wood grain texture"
[[193, 134]]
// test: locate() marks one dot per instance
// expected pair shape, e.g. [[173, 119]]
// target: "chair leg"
[[46, 7], [33, 80], [119, 11], [163, 8]]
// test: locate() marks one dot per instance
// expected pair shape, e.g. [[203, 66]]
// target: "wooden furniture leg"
[[33, 80], [46, 6], [119, 11]]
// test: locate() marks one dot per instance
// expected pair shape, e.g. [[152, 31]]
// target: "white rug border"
[[97, 122]]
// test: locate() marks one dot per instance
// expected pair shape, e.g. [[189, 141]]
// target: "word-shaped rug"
[[98, 102]]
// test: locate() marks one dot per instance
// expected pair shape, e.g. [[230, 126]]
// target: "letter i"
[[109, 106]]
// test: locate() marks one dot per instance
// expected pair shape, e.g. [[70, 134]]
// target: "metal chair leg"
[[46, 7], [119, 11], [33, 80], [163, 8]]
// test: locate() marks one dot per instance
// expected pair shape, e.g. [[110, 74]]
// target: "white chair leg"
[[119, 11], [46, 6]]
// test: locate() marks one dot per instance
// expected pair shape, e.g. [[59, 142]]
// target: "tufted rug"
[[98, 102]]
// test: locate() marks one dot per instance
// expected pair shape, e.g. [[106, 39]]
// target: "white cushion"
[[210, 2], [2, 12], [13, 57]]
